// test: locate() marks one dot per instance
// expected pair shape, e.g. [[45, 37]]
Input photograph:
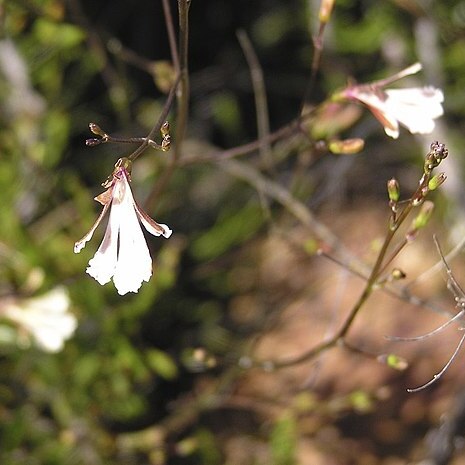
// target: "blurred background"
[[164, 376]]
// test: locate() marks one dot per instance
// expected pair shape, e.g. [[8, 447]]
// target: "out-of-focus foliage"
[[155, 377]]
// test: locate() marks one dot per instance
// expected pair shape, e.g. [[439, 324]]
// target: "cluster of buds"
[[427, 183], [437, 153], [166, 138], [103, 138]]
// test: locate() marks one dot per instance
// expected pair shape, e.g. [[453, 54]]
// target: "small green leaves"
[[162, 364]]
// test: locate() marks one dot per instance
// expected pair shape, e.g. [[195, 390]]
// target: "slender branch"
[[324, 16], [183, 97], [437, 330], [437, 153], [171, 35], [317, 52], [285, 131], [183, 101], [159, 123], [281, 195], [400, 293], [439, 264], [443, 370], [261, 104]]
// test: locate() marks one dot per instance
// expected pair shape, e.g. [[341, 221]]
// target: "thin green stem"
[[183, 102], [158, 125], [339, 336], [171, 34], [261, 104], [183, 96]]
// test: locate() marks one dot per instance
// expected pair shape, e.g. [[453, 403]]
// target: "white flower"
[[415, 108], [123, 254], [45, 318]]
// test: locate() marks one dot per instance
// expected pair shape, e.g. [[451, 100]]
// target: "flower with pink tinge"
[[123, 254], [415, 108]]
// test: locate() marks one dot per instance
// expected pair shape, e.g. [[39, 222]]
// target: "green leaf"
[[162, 364], [230, 230], [283, 441]]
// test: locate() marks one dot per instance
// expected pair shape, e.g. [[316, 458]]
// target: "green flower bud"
[[346, 146], [326, 8], [436, 181], [393, 190], [393, 361], [421, 220], [95, 129], [165, 129]]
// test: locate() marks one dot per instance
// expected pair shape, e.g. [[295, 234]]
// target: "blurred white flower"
[[415, 108], [46, 318], [20, 97], [123, 254]]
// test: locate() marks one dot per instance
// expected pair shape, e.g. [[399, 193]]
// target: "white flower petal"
[[134, 262], [51, 335], [45, 318], [418, 96], [415, 108], [157, 229], [102, 265], [123, 254], [54, 301], [79, 245]]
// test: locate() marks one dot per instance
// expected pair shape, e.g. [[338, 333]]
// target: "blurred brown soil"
[[349, 408]]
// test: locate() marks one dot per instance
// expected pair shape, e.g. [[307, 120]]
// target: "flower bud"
[[436, 181], [124, 163], [421, 220], [439, 150], [393, 361], [393, 190], [166, 143], [93, 142], [346, 146], [95, 129], [397, 274], [326, 8], [165, 129]]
